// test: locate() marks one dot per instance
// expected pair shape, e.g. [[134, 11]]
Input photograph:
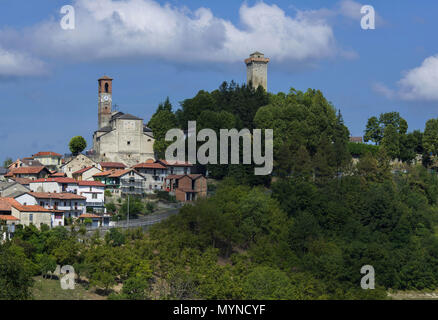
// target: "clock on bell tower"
[[105, 101]]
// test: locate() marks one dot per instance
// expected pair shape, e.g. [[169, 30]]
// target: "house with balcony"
[[154, 174], [122, 182], [177, 167], [71, 205], [94, 192]]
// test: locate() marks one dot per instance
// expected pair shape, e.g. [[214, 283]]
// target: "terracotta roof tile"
[[147, 165], [84, 170], [91, 183], [28, 170], [8, 217], [47, 153], [58, 180], [176, 163]]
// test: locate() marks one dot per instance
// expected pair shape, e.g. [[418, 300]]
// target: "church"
[[120, 137]]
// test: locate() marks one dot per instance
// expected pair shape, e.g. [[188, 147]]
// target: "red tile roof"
[[104, 173], [119, 173], [8, 217], [60, 196], [84, 170], [148, 165], [47, 153], [27, 170], [91, 183], [58, 175], [176, 163], [58, 180], [112, 165], [7, 203]]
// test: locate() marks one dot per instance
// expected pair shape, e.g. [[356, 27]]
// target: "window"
[[41, 203], [129, 143], [94, 195], [106, 87], [31, 217], [90, 189]]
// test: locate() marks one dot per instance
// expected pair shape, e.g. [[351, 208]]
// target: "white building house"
[[55, 185], [94, 192], [154, 174], [72, 205]]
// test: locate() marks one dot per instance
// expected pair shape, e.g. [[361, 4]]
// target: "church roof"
[[105, 129], [128, 116], [105, 78]]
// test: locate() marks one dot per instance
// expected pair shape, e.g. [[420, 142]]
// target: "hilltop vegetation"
[[303, 235]]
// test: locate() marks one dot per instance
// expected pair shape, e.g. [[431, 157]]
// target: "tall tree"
[[430, 138], [162, 120]]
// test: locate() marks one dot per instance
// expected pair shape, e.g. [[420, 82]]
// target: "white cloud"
[[144, 28], [18, 64], [383, 90], [421, 83]]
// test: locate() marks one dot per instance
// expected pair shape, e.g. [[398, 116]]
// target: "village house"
[[72, 205], [186, 187], [106, 166], [177, 167], [78, 162], [153, 173], [96, 221], [30, 214], [32, 173], [122, 182], [94, 192], [7, 226], [51, 160], [25, 162], [85, 174], [56, 185], [58, 175]]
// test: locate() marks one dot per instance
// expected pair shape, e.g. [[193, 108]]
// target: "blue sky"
[[155, 49]]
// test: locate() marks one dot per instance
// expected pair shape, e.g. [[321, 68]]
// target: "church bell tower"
[[105, 101]]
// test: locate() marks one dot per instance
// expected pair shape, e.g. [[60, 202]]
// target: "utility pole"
[[127, 223]]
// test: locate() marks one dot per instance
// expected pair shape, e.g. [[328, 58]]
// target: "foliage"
[[77, 145]]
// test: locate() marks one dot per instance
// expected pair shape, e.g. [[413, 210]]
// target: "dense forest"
[[302, 233]]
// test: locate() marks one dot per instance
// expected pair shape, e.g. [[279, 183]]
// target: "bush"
[[108, 194], [359, 149]]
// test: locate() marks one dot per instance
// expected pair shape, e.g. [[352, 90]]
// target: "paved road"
[[144, 222]]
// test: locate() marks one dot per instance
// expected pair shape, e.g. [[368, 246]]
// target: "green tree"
[[15, 275], [430, 137], [77, 145], [162, 121], [391, 141], [7, 162]]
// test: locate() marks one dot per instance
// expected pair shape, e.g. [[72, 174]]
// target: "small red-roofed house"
[[186, 187], [32, 173], [86, 174], [112, 166]]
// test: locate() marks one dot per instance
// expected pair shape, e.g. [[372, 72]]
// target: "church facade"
[[120, 137]]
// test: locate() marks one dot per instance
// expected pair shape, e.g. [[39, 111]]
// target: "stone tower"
[[105, 101], [257, 70]]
